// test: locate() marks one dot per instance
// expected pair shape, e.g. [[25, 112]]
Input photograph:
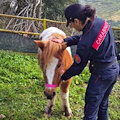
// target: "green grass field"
[[22, 86]]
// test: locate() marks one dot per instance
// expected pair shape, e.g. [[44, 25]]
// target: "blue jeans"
[[97, 94]]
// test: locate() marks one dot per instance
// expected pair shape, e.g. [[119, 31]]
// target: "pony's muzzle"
[[50, 96]]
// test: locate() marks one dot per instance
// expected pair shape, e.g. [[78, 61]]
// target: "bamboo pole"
[[19, 32]]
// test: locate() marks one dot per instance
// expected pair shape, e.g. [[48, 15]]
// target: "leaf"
[[77, 82]]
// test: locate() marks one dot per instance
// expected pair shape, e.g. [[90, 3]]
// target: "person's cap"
[[72, 12]]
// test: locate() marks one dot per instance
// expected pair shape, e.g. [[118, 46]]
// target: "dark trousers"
[[98, 91]]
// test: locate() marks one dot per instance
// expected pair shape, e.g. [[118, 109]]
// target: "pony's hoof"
[[69, 116], [2, 116], [68, 112], [47, 115]]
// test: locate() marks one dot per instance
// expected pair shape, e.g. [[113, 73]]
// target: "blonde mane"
[[50, 50]]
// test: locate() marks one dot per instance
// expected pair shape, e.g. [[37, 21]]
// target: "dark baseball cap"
[[73, 11]]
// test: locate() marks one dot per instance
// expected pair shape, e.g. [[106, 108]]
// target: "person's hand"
[[56, 40], [61, 81]]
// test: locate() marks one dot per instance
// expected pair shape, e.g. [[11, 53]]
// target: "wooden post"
[[44, 24]]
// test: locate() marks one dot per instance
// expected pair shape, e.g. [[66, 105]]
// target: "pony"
[[54, 59]]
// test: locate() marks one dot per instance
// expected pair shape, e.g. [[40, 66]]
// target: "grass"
[[22, 85]]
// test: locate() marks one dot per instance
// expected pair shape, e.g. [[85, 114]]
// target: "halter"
[[54, 86], [51, 86]]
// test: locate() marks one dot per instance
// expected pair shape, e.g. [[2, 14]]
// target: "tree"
[[54, 9], [50, 9], [26, 8]]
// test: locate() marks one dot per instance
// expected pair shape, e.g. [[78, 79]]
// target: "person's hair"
[[87, 12]]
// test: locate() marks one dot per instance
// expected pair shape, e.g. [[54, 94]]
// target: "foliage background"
[[54, 9]]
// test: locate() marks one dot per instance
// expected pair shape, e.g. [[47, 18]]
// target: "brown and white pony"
[[54, 59]]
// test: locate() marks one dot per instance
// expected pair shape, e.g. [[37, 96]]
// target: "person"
[[95, 44]]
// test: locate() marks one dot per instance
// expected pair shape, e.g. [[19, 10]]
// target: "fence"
[[17, 33], [30, 26]]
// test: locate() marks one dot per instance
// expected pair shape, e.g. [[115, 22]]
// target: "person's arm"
[[73, 40], [80, 61], [72, 71]]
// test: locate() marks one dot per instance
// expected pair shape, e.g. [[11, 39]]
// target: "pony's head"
[[50, 56]]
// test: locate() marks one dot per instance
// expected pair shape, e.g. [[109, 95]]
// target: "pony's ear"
[[40, 44], [64, 46]]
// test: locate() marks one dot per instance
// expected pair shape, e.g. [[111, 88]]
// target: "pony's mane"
[[50, 50]]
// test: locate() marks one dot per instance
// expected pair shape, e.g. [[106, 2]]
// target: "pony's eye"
[[58, 65]]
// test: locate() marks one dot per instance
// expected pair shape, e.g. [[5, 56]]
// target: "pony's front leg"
[[49, 108], [65, 103]]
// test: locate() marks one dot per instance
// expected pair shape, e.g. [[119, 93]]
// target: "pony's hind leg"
[[65, 101], [49, 108]]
